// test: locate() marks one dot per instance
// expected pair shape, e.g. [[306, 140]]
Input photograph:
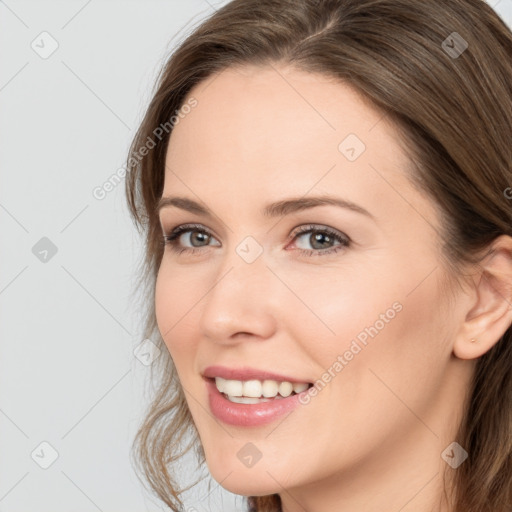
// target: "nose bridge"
[[240, 299]]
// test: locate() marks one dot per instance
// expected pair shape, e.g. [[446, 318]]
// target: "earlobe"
[[491, 315]]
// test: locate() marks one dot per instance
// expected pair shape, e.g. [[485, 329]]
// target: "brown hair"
[[455, 115]]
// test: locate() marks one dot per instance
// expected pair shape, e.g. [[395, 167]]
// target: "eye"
[[201, 235], [320, 238]]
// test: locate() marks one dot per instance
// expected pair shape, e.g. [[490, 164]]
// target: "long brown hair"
[[453, 106]]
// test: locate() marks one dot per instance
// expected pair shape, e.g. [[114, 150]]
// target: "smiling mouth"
[[255, 391]]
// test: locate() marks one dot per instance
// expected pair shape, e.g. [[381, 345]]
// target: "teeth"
[[254, 389], [270, 388], [247, 400], [285, 388], [299, 387]]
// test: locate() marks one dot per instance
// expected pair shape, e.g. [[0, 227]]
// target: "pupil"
[[318, 237], [200, 235]]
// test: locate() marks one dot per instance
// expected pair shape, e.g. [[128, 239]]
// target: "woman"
[[329, 256]]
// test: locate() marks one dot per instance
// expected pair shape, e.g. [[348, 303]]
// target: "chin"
[[245, 486], [253, 481]]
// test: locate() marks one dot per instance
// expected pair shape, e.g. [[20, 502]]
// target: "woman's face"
[[368, 320]]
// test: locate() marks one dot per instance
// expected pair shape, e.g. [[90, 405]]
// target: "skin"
[[372, 438]]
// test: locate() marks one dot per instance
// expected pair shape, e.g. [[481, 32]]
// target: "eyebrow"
[[277, 209]]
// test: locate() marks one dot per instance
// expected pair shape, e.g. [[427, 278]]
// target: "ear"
[[491, 311]]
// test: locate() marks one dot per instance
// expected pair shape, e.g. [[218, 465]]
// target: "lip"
[[248, 415], [246, 373]]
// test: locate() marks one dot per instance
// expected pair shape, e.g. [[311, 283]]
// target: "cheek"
[[338, 305], [401, 354], [174, 298], [164, 303], [374, 321]]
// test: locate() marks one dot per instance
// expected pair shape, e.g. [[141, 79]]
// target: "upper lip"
[[246, 373]]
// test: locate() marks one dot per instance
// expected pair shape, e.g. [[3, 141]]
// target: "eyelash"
[[172, 239]]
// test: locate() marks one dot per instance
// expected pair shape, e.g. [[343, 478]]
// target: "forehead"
[[275, 130], [278, 106]]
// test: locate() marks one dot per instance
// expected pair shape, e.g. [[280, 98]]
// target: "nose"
[[241, 303]]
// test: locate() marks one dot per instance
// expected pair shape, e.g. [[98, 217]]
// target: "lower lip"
[[249, 415]]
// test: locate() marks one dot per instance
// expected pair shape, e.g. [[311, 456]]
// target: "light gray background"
[[68, 325]]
